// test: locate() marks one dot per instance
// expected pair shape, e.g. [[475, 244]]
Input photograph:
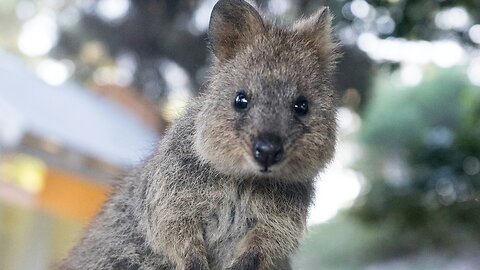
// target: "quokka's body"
[[231, 181]]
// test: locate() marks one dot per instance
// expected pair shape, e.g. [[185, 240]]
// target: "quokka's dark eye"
[[300, 107], [241, 101]]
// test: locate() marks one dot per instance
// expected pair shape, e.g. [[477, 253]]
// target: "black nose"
[[267, 150]]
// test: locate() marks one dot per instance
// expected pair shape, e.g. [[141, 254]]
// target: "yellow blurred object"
[[61, 192], [24, 171], [72, 196]]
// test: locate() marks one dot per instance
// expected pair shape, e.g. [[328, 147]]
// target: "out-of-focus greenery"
[[345, 243], [415, 19], [421, 158]]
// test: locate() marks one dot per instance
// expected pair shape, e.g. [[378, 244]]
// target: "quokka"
[[231, 181]]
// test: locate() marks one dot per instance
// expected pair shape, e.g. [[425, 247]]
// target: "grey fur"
[[201, 201]]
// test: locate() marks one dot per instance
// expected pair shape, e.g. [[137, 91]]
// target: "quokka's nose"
[[267, 150]]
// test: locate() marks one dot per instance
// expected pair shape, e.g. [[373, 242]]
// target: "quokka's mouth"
[[265, 170]]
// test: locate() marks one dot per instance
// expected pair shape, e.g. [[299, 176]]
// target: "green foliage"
[[421, 158], [415, 19], [342, 243]]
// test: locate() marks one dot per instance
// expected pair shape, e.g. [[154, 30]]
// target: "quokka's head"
[[268, 110]]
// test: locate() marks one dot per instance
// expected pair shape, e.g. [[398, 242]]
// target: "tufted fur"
[[201, 201]]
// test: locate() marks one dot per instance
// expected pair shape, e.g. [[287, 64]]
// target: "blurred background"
[[87, 88]]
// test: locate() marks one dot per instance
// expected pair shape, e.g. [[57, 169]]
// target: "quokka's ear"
[[233, 25], [318, 27]]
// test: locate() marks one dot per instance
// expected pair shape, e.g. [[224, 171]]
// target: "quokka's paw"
[[248, 261]]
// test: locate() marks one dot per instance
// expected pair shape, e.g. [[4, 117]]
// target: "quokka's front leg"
[[181, 240], [173, 227], [267, 247]]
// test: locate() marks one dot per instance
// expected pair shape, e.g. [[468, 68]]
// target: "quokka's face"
[[269, 111]]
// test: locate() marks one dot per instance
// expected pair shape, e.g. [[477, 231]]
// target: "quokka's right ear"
[[233, 25], [318, 27]]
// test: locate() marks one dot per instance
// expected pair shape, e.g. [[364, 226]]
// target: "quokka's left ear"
[[233, 25], [319, 28]]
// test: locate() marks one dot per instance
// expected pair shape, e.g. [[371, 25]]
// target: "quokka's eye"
[[300, 107], [241, 101]]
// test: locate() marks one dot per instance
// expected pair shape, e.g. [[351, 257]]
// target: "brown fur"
[[201, 202]]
